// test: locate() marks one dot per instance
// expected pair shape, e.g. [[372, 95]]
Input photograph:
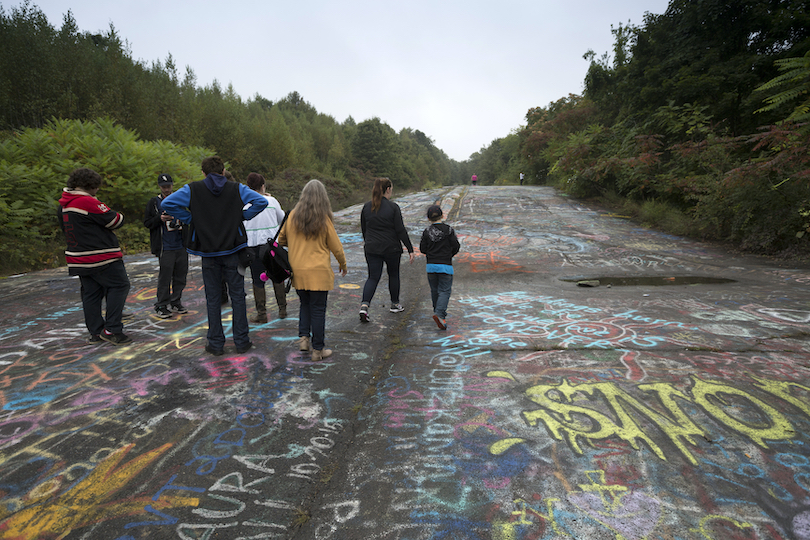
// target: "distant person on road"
[[310, 234], [521, 179], [215, 209], [259, 230], [384, 233], [94, 254], [439, 244], [474, 179], [166, 241]]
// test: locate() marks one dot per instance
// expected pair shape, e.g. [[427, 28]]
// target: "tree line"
[[64, 90], [65, 73], [697, 119]]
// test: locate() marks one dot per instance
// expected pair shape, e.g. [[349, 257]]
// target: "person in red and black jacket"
[[94, 254]]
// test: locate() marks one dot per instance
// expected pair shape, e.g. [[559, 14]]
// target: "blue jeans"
[[110, 283], [312, 316], [375, 264], [441, 285], [215, 270]]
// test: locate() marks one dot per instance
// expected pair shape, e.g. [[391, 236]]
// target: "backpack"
[[275, 260]]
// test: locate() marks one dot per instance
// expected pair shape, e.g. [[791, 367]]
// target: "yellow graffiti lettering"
[[776, 426], [87, 502], [526, 511], [499, 447], [180, 341], [781, 389], [566, 420], [706, 534], [500, 375], [521, 513], [611, 495], [503, 530], [561, 421], [682, 429]]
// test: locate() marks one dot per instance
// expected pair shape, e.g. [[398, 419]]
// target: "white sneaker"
[[364, 313]]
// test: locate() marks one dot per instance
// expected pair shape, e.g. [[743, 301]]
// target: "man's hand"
[[166, 217], [410, 256]]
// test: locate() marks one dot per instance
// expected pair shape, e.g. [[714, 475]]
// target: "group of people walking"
[[228, 225]]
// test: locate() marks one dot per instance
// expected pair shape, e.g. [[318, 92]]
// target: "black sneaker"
[[162, 312], [364, 313], [246, 348], [116, 339], [178, 308], [94, 339], [216, 352], [396, 308]]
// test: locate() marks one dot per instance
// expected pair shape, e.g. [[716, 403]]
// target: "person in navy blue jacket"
[[214, 210]]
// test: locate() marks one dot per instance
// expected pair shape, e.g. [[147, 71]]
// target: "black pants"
[[172, 277], [110, 282], [375, 265]]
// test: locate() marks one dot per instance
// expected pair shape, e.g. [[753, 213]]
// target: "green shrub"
[[35, 165]]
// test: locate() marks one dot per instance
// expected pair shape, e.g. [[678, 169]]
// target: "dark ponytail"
[[380, 186]]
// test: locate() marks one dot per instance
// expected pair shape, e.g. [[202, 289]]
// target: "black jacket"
[[156, 226], [439, 243], [383, 230], [152, 221]]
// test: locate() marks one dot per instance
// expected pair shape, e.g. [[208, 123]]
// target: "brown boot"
[[317, 356], [303, 343], [260, 297], [281, 299]]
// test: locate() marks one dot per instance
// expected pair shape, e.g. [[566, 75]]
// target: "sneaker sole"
[[439, 323]]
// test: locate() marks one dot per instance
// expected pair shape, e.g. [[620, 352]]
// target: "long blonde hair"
[[313, 209]]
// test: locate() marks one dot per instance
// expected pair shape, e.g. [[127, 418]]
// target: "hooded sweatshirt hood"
[[215, 183], [70, 195], [437, 233]]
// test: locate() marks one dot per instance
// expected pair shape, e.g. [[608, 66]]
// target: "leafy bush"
[[35, 165]]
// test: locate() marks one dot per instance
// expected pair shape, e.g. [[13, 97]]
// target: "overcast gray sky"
[[463, 72]]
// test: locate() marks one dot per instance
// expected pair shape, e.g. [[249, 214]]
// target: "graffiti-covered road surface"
[[597, 381]]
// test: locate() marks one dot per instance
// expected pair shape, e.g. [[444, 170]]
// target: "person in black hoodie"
[[384, 233], [166, 241], [439, 244]]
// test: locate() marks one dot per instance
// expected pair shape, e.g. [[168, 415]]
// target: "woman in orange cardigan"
[[310, 235]]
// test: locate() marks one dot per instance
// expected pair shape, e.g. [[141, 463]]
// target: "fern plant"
[[796, 76], [35, 164]]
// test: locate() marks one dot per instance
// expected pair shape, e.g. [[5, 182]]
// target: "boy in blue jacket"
[[439, 244], [215, 210]]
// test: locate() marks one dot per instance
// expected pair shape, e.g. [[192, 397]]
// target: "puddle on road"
[[588, 281]]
